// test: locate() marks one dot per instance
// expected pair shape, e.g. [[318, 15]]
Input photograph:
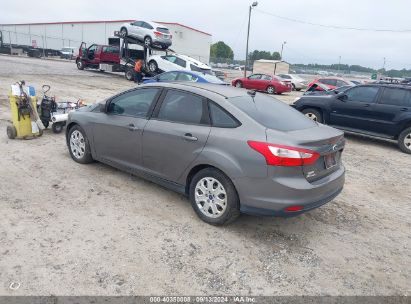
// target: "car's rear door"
[[393, 104], [117, 132], [353, 109], [176, 134]]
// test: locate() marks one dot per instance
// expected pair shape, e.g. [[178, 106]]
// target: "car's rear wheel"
[[313, 114], [123, 32], [129, 74], [79, 146], [238, 84], [11, 132], [270, 90], [214, 197], [152, 66], [404, 141], [294, 89], [148, 41]]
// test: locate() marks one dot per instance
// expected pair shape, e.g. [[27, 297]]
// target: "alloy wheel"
[[407, 141], [311, 116], [210, 197], [77, 144]]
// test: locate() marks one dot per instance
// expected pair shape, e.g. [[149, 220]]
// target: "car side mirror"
[[342, 97]]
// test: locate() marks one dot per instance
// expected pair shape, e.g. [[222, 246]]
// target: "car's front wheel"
[[404, 141], [313, 114], [238, 84], [79, 146], [214, 197]]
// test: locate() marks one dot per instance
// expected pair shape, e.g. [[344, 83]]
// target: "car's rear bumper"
[[162, 42], [270, 196]]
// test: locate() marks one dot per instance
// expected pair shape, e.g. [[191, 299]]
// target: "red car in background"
[[263, 82], [330, 82]]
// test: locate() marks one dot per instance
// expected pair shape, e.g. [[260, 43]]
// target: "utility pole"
[[282, 49], [248, 37]]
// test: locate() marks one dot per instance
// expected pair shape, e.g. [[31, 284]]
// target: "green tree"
[[256, 55], [221, 50]]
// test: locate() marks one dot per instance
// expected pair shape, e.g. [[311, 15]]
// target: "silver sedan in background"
[[297, 82], [229, 150]]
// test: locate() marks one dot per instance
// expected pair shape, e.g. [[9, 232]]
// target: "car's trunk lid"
[[326, 141]]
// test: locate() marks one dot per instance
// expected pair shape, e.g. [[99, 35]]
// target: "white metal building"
[[271, 67], [56, 35]]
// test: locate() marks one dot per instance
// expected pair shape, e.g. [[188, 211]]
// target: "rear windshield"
[[271, 113], [163, 30]]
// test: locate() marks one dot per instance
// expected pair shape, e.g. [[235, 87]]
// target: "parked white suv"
[[172, 62], [150, 33], [297, 82]]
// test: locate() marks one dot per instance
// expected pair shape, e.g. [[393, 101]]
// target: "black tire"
[[80, 64], [232, 210], [124, 32], [298, 90], [148, 41], [404, 141], [57, 127], [11, 132], [129, 74], [152, 66], [45, 123], [313, 114], [86, 158], [238, 84], [294, 89]]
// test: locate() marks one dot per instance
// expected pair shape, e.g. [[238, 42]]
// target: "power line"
[[334, 26]]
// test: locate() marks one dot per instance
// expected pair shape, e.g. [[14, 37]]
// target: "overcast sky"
[[226, 20]]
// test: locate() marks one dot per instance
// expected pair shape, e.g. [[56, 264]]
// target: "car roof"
[[204, 88]]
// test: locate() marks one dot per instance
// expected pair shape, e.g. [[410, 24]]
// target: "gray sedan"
[[229, 150]]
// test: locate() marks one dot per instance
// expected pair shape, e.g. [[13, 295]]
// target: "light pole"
[[282, 49], [255, 3]]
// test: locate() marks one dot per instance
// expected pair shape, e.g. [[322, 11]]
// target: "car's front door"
[[253, 82], [176, 134], [117, 132], [392, 105], [353, 109]]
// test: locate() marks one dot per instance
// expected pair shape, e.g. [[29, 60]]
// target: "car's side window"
[[266, 77], [135, 103], [332, 82], [183, 107], [221, 118], [180, 62], [147, 26], [187, 77], [137, 23], [362, 94], [341, 83], [396, 97], [255, 76], [285, 76], [170, 76]]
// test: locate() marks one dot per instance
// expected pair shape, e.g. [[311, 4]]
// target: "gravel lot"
[[70, 229]]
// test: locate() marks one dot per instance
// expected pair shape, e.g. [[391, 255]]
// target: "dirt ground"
[[70, 229]]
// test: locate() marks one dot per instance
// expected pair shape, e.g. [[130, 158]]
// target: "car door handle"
[[404, 109], [132, 127], [189, 137], [366, 105]]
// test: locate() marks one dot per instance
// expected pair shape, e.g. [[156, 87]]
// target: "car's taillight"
[[294, 208], [279, 155], [158, 34]]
